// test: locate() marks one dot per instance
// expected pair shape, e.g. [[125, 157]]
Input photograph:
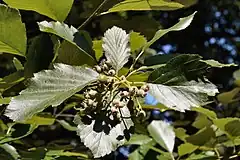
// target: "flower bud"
[[98, 69], [105, 67], [141, 93], [116, 102], [133, 90], [142, 113], [90, 102], [111, 72], [124, 93], [145, 88], [92, 93]]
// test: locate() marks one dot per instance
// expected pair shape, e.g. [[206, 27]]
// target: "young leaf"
[[11, 150], [55, 9], [137, 41], [139, 5], [116, 48], [182, 24], [101, 143], [70, 34], [186, 148], [183, 97], [13, 33], [97, 47], [49, 87], [162, 133]]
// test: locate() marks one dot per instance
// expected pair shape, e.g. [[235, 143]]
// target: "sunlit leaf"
[[201, 121], [115, 46], [39, 120], [182, 24], [80, 39], [136, 41], [49, 87], [13, 33], [139, 139], [66, 125], [18, 65], [140, 5], [183, 97], [227, 97], [58, 153], [97, 47], [181, 133], [57, 10], [11, 150], [214, 63], [162, 133], [210, 114], [101, 143], [186, 148], [228, 126]]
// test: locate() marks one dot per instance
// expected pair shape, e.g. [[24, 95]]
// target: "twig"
[[93, 14]]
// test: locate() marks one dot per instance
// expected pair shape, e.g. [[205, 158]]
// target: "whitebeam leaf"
[[49, 87], [116, 47], [183, 97], [163, 134], [101, 143]]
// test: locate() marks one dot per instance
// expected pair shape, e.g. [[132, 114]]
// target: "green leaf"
[[58, 153], [39, 120], [13, 33], [141, 151], [228, 97], [5, 100], [18, 65], [137, 41], [203, 156], [139, 139], [183, 97], [115, 46], [49, 87], [186, 148], [139, 77], [181, 133], [144, 5], [201, 122], [57, 10], [202, 137], [180, 69], [210, 114], [228, 126], [7, 139], [39, 55], [158, 59], [97, 47], [66, 125], [11, 80], [182, 24], [11, 150], [71, 55], [163, 134], [101, 143], [80, 39], [214, 63]]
